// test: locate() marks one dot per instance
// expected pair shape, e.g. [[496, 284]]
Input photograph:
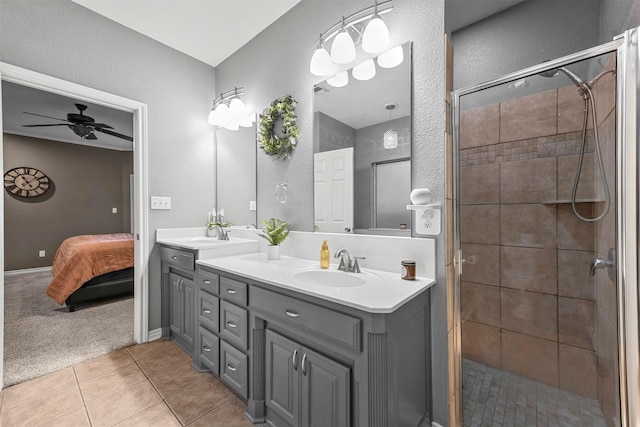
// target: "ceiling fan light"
[[375, 38], [237, 108], [365, 70], [343, 50], [321, 64], [339, 80], [390, 139], [391, 58]]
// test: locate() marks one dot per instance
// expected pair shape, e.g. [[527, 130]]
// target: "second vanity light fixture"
[[230, 112], [370, 32]]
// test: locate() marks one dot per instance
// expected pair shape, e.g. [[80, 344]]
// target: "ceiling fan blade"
[[40, 115], [37, 126], [91, 136], [119, 135], [99, 125]]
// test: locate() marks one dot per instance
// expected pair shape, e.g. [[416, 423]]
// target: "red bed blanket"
[[80, 258]]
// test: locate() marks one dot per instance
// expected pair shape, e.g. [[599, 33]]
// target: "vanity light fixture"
[[365, 27], [229, 111], [339, 80], [390, 137], [391, 58], [365, 70]]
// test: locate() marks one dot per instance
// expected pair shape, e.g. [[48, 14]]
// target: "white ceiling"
[[208, 30]]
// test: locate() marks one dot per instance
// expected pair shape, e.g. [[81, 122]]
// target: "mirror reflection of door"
[[333, 190], [391, 197]]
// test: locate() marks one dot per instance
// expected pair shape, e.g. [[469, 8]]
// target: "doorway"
[[46, 83], [546, 325]]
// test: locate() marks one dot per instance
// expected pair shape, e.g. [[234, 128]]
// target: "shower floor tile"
[[496, 398]]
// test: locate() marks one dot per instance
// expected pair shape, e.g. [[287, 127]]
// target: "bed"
[[91, 267]]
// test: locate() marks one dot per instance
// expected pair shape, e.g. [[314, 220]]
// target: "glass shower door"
[[537, 228]]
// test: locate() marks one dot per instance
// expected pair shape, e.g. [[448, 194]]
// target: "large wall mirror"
[[236, 174], [362, 149]]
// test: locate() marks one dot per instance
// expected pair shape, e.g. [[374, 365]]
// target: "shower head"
[[555, 71]]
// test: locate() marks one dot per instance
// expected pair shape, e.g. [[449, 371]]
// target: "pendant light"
[[321, 64], [343, 50], [375, 38], [391, 58], [365, 70], [390, 137]]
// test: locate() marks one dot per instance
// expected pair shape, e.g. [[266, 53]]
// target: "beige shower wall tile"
[[482, 264], [530, 313], [567, 169], [529, 269], [530, 225], [481, 343], [529, 117], [479, 126], [530, 357], [574, 280], [607, 296], [480, 185], [577, 322], [528, 181], [480, 303], [608, 369], [571, 110], [573, 233], [480, 224], [578, 371]]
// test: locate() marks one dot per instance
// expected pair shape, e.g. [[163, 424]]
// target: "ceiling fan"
[[82, 125]]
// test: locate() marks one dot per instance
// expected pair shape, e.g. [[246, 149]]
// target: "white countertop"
[[383, 291], [211, 247]]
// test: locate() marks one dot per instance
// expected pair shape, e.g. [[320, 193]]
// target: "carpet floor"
[[41, 336]]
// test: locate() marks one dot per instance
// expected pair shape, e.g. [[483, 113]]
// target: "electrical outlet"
[[158, 202], [114, 210], [41, 254]]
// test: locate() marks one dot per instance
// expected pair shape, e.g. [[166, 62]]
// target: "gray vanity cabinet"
[[182, 318], [304, 388]]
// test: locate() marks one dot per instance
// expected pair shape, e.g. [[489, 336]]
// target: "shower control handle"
[[600, 262]]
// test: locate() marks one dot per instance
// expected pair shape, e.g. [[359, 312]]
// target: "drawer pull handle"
[[174, 257], [231, 367], [207, 282], [292, 313], [232, 325], [205, 348], [294, 359], [231, 291], [304, 359], [206, 311]]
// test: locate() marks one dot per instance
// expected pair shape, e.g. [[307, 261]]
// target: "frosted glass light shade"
[[232, 125], [364, 71], [237, 109], [222, 115], [247, 121], [339, 80], [212, 117], [390, 139], [343, 50], [321, 64], [391, 58], [375, 38]]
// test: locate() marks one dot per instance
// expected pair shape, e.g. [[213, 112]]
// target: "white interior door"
[[333, 190]]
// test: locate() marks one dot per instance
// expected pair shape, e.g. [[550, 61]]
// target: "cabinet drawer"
[[178, 258], [233, 291], [233, 324], [208, 281], [209, 350], [234, 368], [208, 311], [323, 322]]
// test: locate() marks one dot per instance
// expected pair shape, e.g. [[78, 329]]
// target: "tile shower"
[[529, 305]]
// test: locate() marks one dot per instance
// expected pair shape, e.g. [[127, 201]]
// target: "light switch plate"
[[252, 205], [160, 202]]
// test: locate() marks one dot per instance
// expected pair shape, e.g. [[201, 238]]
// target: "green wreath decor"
[[281, 108]]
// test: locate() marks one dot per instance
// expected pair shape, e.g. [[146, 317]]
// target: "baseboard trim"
[[156, 334], [27, 270]]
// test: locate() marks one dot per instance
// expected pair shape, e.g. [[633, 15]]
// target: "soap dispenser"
[[324, 255]]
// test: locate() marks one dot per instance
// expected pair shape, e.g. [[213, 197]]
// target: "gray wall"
[[68, 41], [331, 134], [87, 184], [616, 16], [277, 62]]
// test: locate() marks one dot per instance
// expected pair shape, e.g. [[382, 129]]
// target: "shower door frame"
[[626, 47]]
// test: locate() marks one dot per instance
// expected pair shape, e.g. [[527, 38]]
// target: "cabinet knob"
[[303, 367], [205, 348], [206, 282], [231, 367], [292, 313], [231, 291], [206, 311], [232, 325]]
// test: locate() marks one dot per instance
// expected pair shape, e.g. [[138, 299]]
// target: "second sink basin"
[[332, 278]]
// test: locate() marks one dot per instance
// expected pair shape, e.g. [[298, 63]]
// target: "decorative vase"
[[273, 251], [420, 196]]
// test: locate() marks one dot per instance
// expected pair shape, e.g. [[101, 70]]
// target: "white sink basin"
[[333, 278]]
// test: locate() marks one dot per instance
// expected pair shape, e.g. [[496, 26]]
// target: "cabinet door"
[[188, 317], [175, 311], [283, 363], [325, 399]]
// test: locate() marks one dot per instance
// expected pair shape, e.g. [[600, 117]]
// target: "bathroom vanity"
[[306, 346]]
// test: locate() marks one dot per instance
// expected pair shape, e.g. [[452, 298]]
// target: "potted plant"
[[275, 231]]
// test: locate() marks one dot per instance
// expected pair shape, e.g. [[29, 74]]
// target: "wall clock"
[[26, 182]]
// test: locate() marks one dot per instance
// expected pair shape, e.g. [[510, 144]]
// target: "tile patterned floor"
[[150, 384], [496, 398]]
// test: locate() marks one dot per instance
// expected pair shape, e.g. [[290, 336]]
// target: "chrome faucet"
[[346, 263], [222, 234]]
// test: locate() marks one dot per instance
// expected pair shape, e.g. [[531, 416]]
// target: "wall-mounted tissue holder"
[[427, 218]]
